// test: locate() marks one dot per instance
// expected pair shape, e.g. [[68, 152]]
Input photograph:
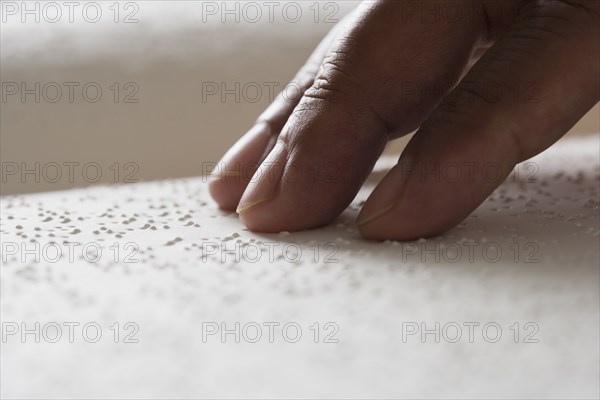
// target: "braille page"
[[149, 291]]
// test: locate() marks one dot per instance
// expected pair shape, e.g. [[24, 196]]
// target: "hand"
[[488, 83]]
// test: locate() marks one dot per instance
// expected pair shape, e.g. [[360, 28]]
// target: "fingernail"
[[265, 183], [387, 195], [366, 217], [220, 174]]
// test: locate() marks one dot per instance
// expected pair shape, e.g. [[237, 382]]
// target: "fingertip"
[[231, 175], [257, 218], [396, 226], [225, 194], [411, 203]]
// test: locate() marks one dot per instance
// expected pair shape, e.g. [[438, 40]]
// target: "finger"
[[544, 74], [238, 165], [358, 101]]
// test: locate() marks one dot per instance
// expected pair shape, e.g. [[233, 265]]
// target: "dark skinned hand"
[[485, 82]]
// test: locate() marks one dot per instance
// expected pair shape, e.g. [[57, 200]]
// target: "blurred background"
[[105, 92], [111, 92]]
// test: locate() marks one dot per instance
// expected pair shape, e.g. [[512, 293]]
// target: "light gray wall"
[[174, 49], [167, 56]]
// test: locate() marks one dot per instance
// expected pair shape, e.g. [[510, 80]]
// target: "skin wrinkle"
[[584, 5], [384, 76], [494, 26], [328, 82]]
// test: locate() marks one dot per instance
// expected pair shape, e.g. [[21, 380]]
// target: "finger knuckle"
[[335, 80]]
